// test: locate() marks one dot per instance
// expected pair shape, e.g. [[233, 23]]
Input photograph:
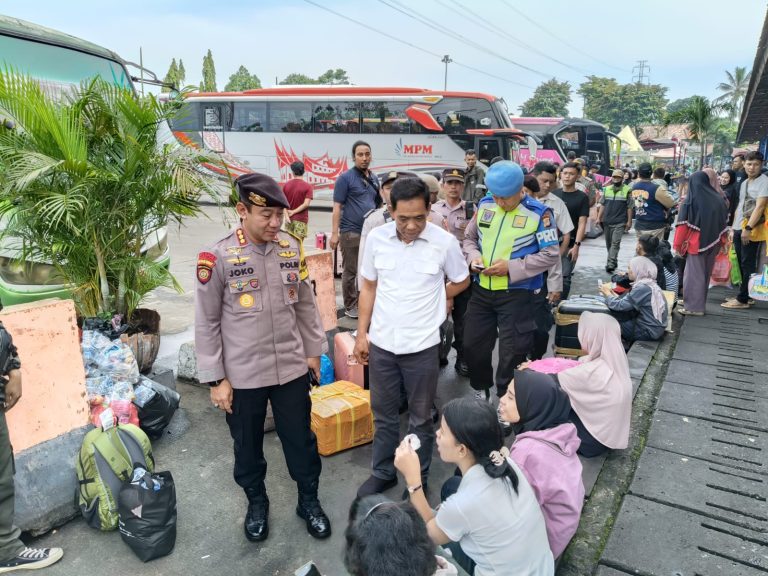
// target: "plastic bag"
[[105, 415], [721, 272], [327, 375], [93, 345], [735, 267], [758, 285], [119, 363], [143, 394], [147, 514], [157, 412]]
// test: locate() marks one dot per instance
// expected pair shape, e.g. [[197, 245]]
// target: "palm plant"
[[734, 90], [87, 181], [701, 117]]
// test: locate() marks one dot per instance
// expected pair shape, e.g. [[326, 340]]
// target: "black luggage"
[[567, 322]]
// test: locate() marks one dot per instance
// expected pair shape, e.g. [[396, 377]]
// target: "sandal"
[[735, 305], [685, 312]]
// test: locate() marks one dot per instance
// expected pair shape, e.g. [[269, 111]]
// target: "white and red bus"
[[558, 136], [414, 129]]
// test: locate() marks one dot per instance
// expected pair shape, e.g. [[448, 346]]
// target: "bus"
[[58, 62], [558, 136], [413, 129]]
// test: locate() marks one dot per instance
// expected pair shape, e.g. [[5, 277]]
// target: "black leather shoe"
[[461, 368], [375, 485], [318, 524], [256, 524]]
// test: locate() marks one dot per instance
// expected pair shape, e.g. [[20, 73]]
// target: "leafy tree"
[[172, 76], [298, 79], [209, 73], [550, 99], [337, 76], [181, 76], [702, 118], [734, 90], [242, 80], [679, 104], [619, 105]]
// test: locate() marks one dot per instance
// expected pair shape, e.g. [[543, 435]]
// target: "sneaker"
[[685, 312], [32, 559], [610, 269], [735, 305], [351, 312]]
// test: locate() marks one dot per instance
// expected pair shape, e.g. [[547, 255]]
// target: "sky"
[[501, 47]]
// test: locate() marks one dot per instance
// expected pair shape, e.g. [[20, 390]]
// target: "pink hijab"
[[714, 181], [600, 388]]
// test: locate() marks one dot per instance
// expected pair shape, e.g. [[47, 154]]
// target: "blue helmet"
[[504, 179]]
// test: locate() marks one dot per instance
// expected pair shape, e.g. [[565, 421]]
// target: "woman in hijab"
[[599, 388], [641, 312], [701, 227], [730, 187], [545, 450]]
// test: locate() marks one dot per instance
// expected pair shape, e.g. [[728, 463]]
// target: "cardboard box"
[[341, 417]]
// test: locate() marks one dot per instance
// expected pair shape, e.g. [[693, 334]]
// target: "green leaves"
[[550, 99], [618, 105], [242, 80], [86, 182]]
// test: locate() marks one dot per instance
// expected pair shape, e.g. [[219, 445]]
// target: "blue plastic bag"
[[326, 370]]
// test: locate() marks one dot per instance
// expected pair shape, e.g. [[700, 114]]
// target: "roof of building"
[[754, 115]]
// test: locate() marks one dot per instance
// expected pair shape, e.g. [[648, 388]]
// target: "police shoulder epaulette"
[[286, 242]]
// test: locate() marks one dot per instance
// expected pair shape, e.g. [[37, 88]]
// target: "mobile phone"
[[478, 267], [599, 283]]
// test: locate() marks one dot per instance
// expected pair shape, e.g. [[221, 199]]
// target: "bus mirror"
[[532, 147], [485, 121]]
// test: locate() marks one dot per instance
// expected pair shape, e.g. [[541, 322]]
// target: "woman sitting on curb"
[[490, 519], [545, 450], [599, 388], [641, 312]]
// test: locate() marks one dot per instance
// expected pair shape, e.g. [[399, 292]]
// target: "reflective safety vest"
[[610, 193], [510, 235]]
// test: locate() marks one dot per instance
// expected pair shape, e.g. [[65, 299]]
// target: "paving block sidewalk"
[[697, 503]]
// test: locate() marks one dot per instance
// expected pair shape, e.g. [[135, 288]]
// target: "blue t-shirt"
[[357, 195]]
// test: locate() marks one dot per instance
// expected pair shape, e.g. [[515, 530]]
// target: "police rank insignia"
[[241, 237], [205, 263], [283, 243], [519, 221], [246, 301], [287, 254]]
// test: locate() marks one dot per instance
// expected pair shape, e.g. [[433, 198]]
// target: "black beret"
[[260, 190]]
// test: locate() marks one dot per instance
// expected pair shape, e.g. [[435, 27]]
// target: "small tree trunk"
[[103, 284], [120, 296]]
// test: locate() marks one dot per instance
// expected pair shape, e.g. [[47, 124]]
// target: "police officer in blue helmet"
[[510, 244]]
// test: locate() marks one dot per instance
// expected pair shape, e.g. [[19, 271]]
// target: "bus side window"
[[337, 117], [249, 117], [385, 118], [290, 117], [187, 119]]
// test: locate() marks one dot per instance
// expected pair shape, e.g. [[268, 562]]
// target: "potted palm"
[[88, 184]]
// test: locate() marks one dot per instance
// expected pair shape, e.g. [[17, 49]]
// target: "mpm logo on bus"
[[412, 149]]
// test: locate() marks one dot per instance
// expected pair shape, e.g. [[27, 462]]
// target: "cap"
[[504, 179], [394, 175], [645, 170], [260, 190], [618, 173], [431, 182], [453, 174]]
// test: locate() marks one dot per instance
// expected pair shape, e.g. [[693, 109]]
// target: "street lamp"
[[446, 60]]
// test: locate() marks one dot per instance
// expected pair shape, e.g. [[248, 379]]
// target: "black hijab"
[[540, 401], [705, 210]]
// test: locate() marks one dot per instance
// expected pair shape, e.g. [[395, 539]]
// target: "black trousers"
[[291, 408], [748, 257], [508, 314], [458, 314]]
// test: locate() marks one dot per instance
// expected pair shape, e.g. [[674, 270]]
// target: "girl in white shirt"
[[492, 523]]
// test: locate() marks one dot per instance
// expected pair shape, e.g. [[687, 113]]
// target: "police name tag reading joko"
[[240, 272], [547, 237]]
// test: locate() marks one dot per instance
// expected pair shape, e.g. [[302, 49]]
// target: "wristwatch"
[[577, 243], [215, 383], [748, 228], [412, 489]]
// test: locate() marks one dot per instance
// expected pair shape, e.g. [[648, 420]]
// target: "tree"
[[679, 104], [209, 73], [734, 90], [550, 99], [182, 74], [337, 76], [171, 77], [619, 105], [242, 80], [701, 117]]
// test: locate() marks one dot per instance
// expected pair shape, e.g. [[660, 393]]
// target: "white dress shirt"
[[410, 291]]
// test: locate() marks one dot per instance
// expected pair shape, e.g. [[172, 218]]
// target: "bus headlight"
[[28, 273]]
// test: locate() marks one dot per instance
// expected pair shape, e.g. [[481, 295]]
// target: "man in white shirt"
[[402, 305]]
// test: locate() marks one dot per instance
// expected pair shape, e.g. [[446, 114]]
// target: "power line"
[[571, 46], [524, 45], [642, 78], [414, 46], [454, 35]]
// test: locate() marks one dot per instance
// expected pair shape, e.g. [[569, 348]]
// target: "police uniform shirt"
[[256, 321], [455, 217]]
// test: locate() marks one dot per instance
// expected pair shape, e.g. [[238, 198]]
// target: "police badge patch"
[[205, 263]]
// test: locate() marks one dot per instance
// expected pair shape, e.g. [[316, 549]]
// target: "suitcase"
[[343, 345], [341, 417], [567, 323]]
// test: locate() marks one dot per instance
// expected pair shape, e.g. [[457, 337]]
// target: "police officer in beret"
[[257, 336]]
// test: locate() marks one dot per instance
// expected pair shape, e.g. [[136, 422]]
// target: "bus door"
[[216, 118], [597, 150], [487, 148]]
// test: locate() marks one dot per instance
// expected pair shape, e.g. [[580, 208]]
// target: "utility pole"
[[641, 77], [447, 60]]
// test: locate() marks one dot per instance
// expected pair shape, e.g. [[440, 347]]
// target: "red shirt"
[[296, 191]]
